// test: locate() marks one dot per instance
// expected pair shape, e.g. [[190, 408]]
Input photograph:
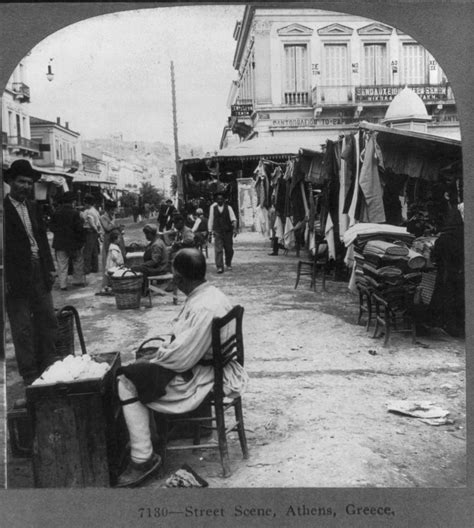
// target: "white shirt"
[[220, 208], [23, 213], [193, 342]]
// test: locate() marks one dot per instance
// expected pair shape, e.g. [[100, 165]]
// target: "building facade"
[[16, 135], [59, 146], [308, 71]]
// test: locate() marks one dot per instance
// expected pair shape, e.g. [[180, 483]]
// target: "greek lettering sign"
[[241, 110], [387, 93], [307, 122]]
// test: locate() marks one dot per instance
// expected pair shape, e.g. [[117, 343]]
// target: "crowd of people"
[[79, 237], [30, 272]]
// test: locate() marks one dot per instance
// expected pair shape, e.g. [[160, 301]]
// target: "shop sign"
[[241, 110], [387, 93], [307, 122]]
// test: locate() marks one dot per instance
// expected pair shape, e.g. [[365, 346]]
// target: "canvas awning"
[[81, 177], [418, 154], [273, 146]]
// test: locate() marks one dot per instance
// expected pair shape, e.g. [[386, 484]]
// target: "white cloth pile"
[[72, 368]]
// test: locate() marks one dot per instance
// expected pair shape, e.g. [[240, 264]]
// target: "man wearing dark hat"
[[68, 242], [155, 258], [29, 275], [223, 225], [165, 215]]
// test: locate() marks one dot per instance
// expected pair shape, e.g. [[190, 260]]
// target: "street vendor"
[[155, 258], [182, 362], [180, 236], [29, 275]]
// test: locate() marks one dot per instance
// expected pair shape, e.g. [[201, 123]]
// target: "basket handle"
[[158, 338], [126, 270], [77, 320]]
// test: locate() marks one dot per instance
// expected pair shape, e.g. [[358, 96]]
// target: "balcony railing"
[[18, 141], [70, 164], [297, 98], [22, 91], [377, 94]]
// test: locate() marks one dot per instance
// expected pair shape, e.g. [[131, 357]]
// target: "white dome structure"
[[407, 111]]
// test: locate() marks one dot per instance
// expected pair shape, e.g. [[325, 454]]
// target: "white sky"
[[112, 74]]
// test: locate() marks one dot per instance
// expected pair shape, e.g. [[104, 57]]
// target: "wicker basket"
[[134, 258], [127, 289]]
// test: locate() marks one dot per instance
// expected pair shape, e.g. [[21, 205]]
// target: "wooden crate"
[[79, 435]]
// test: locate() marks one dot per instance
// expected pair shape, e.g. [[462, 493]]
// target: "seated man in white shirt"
[[183, 380]]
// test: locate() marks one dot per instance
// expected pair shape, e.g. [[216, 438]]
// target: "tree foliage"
[[150, 194]]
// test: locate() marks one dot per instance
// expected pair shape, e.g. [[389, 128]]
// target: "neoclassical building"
[[307, 72]]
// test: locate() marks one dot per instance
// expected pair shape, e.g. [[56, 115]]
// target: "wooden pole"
[[179, 179]]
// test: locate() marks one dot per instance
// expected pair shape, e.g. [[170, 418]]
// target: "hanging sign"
[[387, 93], [241, 110]]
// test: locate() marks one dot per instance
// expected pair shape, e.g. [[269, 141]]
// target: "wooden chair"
[[152, 286], [392, 314], [365, 304], [223, 352], [311, 266]]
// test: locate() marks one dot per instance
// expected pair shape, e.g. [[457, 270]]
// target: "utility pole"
[[175, 134]]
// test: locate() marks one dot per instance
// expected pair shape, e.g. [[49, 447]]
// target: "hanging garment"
[[353, 204], [263, 224], [289, 234], [261, 185], [369, 182], [343, 217], [278, 227], [329, 235]]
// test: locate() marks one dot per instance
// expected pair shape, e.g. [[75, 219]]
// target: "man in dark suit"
[[29, 275], [165, 215], [68, 242]]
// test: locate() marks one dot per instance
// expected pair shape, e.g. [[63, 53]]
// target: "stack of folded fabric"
[[388, 267]]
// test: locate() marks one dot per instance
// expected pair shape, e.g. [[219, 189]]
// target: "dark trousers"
[[34, 328], [223, 246], [91, 253]]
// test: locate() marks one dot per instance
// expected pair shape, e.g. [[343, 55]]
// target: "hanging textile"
[[329, 235], [343, 188], [355, 195], [369, 182], [289, 234], [262, 220], [261, 185], [278, 227]]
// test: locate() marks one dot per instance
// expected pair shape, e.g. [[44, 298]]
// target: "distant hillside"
[[159, 154]]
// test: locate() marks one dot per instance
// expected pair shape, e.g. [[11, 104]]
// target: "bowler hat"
[[21, 167], [150, 228]]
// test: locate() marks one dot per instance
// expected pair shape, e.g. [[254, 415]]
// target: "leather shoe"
[[137, 472]]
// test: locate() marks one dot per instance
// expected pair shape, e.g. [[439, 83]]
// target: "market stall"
[[402, 188]]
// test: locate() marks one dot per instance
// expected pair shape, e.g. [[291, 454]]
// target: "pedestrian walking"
[[223, 225], [93, 230], [68, 242], [29, 275], [109, 226]]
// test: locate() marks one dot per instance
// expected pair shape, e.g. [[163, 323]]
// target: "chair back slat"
[[230, 349]]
